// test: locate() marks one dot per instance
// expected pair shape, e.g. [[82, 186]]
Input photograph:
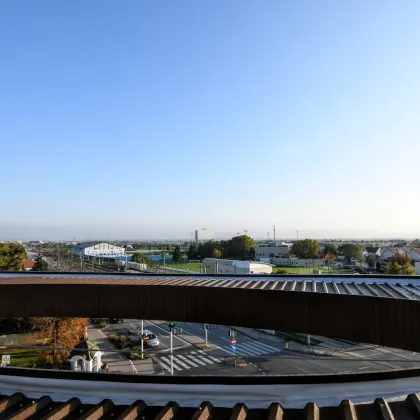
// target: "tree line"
[[240, 247]]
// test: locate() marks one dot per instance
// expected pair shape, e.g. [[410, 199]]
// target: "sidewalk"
[[119, 362]]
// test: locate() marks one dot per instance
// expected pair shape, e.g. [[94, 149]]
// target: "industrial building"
[[203, 235], [218, 266], [267, 251], [99, 249]]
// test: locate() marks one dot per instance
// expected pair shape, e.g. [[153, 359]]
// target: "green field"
[[301, 270], [21, 357], [192, 266]]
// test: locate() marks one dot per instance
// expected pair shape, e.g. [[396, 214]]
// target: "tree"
[[331, 248], [351, 251], [12, 257], [393, 267], [306, 249], [59, 332], [370, 259], [176, 256], [138, 257], [192, 252], [40, 264], [238, 246], [217, 253], [399, 259]]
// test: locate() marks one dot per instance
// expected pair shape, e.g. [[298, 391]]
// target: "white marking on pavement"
[[181, 363], [250, 349], [210, 356], [188, 360], [196, 359], [173, 363]]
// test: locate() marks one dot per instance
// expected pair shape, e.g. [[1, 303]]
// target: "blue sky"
[[143, 119]]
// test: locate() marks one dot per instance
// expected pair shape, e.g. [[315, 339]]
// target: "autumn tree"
[[217, 253], [306, 249], [393, 267], [59, 333]]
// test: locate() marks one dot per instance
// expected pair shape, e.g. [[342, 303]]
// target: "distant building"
[[203, 235], [218, 266], [298, 262], [271, 250], [101, 249], [388, 252]]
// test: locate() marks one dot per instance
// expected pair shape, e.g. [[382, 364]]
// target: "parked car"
[[150, 339]]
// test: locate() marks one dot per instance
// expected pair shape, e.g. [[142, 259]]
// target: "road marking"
[[164, 366], [173, 363], [263, 345], [196, 359], [365, 367], [210, 362], [132, 364], [175, 336], [210, 356], [223, 338], [249, 348], [181, 363], [188, 360], [226, 351]]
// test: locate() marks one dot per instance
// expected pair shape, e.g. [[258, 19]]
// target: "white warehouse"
[[203, 235], [217, 266], [99, 249]]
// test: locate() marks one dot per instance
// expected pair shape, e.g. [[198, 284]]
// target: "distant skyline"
[[153, 119]]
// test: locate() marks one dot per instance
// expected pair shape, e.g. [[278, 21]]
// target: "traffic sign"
[[233, 347], [233, 340]]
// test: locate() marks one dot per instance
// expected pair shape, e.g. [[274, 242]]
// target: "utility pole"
[[274, 232], [141, 339], [206, 328]]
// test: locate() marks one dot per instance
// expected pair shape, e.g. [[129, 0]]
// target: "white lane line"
[[210, 362], [263, 345], [250, 348], [242, 353], [181, 363], [229, 352], [175, 336], [255, 347], [210, 356], [196, 359], [132, 364], [164, 366], [169, 362], [365, 367], [223, 338], [188, 360]]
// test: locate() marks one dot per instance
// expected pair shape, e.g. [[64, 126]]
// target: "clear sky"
[[149, 119]]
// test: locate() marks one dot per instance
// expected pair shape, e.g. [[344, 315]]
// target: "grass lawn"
[[301, 270], [21, 357], [192, 266]]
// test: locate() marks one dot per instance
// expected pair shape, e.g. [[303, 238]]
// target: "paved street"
[[256, 353]]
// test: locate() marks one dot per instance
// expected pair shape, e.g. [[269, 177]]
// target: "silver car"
[[150, 339]]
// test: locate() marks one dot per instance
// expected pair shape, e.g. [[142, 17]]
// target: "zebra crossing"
[[200, 358], [250, 348], [194, 359]]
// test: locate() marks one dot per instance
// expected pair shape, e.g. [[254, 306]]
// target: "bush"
[[102, 324], [137, 356], [282, 271]]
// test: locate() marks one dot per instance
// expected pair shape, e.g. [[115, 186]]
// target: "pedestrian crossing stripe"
[[200, 358], [250, 348]]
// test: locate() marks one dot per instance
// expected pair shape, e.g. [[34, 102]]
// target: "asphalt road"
[[257, 353]]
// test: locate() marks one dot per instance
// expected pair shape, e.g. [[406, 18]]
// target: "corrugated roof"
[[398, 287], [19, 406]]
